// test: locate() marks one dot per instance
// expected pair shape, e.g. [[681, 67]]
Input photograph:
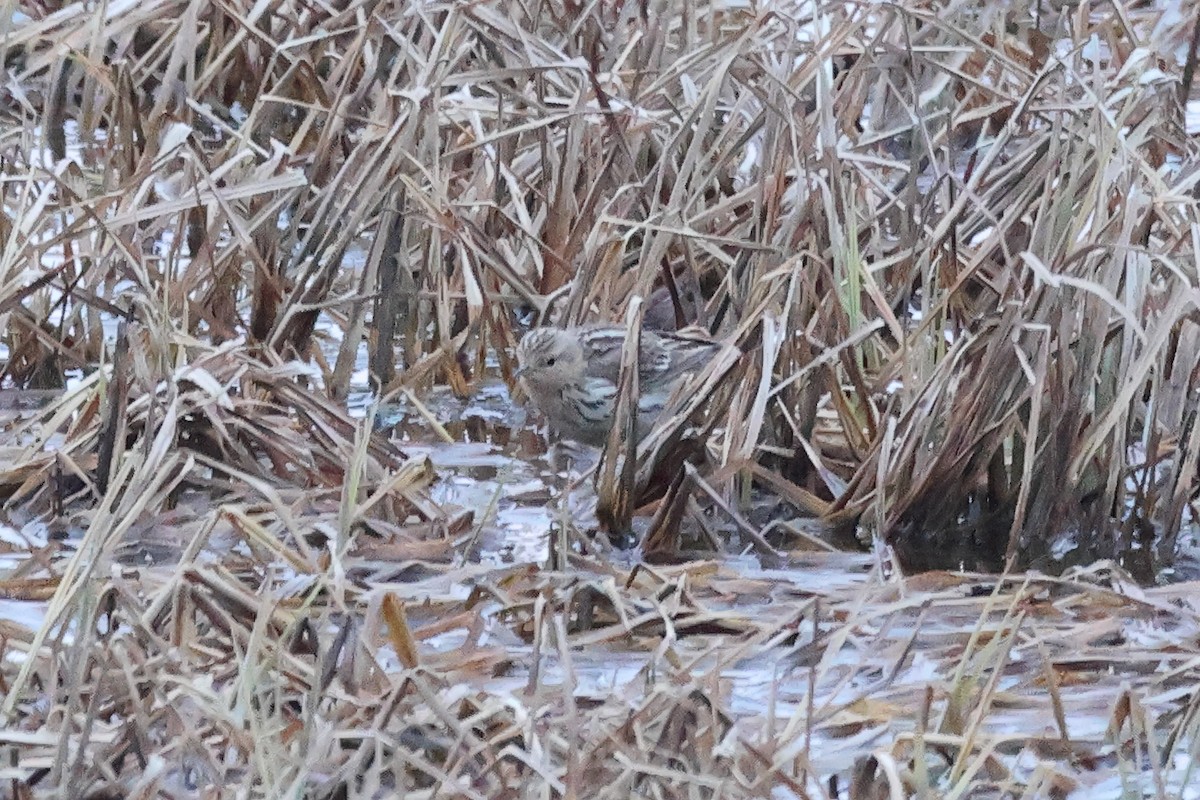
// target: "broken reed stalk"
[[618, 463]]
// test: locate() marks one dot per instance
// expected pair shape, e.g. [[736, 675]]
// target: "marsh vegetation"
[[276, 522]]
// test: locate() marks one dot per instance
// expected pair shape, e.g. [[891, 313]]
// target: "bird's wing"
[[663, 358], [666, 357]]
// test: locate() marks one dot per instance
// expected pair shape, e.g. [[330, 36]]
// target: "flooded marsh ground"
[[278, 520]]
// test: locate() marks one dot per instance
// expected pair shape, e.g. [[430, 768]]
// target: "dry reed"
[[956, 241]]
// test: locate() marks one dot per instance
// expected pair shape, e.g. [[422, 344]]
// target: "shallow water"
[[498, 467], [862, 691]]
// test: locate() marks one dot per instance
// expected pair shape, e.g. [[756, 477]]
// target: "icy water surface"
[[848, 655], [499, 467]]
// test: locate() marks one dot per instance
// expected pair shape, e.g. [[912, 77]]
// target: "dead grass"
[[695, 680], [956, 242], [1019, 177]]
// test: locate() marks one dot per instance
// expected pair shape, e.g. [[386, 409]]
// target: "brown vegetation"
[[957, 243]]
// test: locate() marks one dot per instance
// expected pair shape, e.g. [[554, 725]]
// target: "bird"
[[571, 374]]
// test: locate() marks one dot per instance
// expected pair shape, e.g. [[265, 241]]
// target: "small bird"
[[571, 375]]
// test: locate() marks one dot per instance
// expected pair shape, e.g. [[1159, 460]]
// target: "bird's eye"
[[550, 362]]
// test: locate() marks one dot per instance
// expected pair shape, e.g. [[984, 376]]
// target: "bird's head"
[[549, 358]]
